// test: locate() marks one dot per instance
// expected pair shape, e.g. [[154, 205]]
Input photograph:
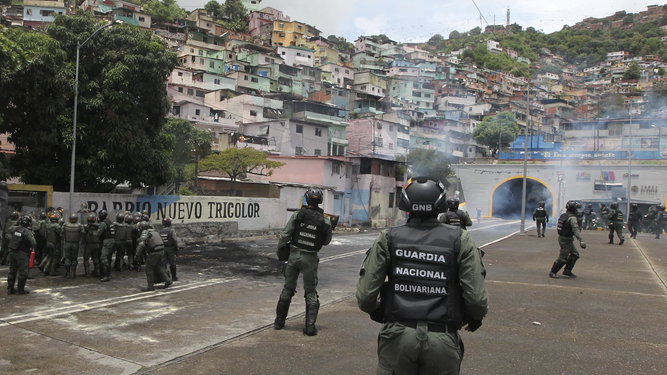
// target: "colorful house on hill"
[[36, 14]]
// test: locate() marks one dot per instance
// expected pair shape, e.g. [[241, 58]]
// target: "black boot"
[[106, 273], [311, 317], [571, 261], [281, 314], [86, 269], [555, 268], [21, 287], [173, 273], [66, 274], [73, 272], [622, 240], [11, 280], [96, 269], [167, 283], [149, 287]]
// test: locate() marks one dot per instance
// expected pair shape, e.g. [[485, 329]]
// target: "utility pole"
[[627, 193], [525, 163]]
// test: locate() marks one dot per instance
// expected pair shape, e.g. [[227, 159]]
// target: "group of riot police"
[[56, 243]]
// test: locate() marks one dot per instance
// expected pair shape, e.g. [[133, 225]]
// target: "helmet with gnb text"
[[423, 196]]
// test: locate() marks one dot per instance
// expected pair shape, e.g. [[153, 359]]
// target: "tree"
[[237, 162], [163, 11], [630, 18], [235, 15], [455, 35], [428, 162], [496, 131], [214, 9], [121, 109], [435, 39], [475, 31], [190, 145], [633, 72]]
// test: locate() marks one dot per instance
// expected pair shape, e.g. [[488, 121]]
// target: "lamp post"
[[76, 102]]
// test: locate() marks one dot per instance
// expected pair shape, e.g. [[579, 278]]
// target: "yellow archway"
[[514, 178]]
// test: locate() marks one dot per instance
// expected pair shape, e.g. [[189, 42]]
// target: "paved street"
[[218, 318]]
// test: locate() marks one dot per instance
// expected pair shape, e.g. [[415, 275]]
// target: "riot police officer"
[[634, 219], [53, 233], [435, 286], [568, 228], [120, 236], [306, 232], [129, 241], [73, 233], [91, 248], [615, 223], [106, 232], [454, 216], [168, 235], [151, 242], [660, 220], [18, 254], [604, 215], [580, 215], [541, 217], [12, 221], [588, 217]]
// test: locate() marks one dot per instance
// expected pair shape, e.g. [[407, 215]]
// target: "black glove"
[[378, 315], [473, 325]]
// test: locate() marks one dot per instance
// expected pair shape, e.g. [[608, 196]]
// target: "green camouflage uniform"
[[615, 226], [155, 272]]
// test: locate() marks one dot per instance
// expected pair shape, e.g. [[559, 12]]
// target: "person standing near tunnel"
[[616, 224], [568, 229], [541, 217]]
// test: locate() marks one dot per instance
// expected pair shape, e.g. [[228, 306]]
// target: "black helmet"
[[84, 206], [571, 206], [102, 214], [55, 217], [166, 222], [145, 212], [136, 217], [144, 225], [91, 218], [542, 204], [579, 205], [634, 206], [15, 215], [313, 196], [453, 203], [128, 219], [614, 205], [25, 221], [73, 218], [145, 217], [42, 215], [423, 195], [120, 218]]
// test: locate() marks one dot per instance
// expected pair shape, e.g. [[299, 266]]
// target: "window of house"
[[392, 198], [283, 53], [197, 112], [322, 50], [336, 70], [309, 56], [211, 64], [317, 60], [282, 34], [266, 59], [201, 53], [180, 89], [201, 61], [378, 141], [365, 166], [176, 110], [281, 25], [142, 19], [254, 79], [318, 132], [191, 92], [180, 74], [200, 93], [335, 168], [391, 128], [28, 12], [299, 27], [216, 81], [253, 113], [298, 150], [318, 152], [46, 13], [299, 128], [193, 59], [391, 146], [245, 78]]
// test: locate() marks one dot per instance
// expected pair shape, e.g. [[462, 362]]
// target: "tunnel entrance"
[[507, 199]]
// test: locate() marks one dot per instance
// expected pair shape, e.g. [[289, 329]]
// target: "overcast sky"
[[418, 20]]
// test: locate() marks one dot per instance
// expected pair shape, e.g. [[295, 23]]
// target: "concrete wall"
[[196, 218]]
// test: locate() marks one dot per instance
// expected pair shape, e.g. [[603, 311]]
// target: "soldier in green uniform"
[[616, 224], [435, 286], [541, 217], [39, 229], [53, 234], [454, 216], [568, 228], [170, 240], [106, 232], [129, 245], [7, 235], [588, 217], [91, 248], [119, 241], [660, 220], [19, 253], [74, 233], [136, 233], [306, 232], [604, 215], [151, 242]]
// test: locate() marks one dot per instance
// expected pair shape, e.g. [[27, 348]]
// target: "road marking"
[[86, 306]]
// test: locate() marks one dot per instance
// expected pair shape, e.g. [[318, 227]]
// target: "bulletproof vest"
[[564, 228], [72, 233], [51, 236], [424, 276], [19, 241], [42, 228], [453, 218], [91, 238], [309, 229], [167, 238], [109, 231], [662, 216], [154, 240], [120, 232], [619, 216], [587, 211], [540, 212], [604, 212]]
